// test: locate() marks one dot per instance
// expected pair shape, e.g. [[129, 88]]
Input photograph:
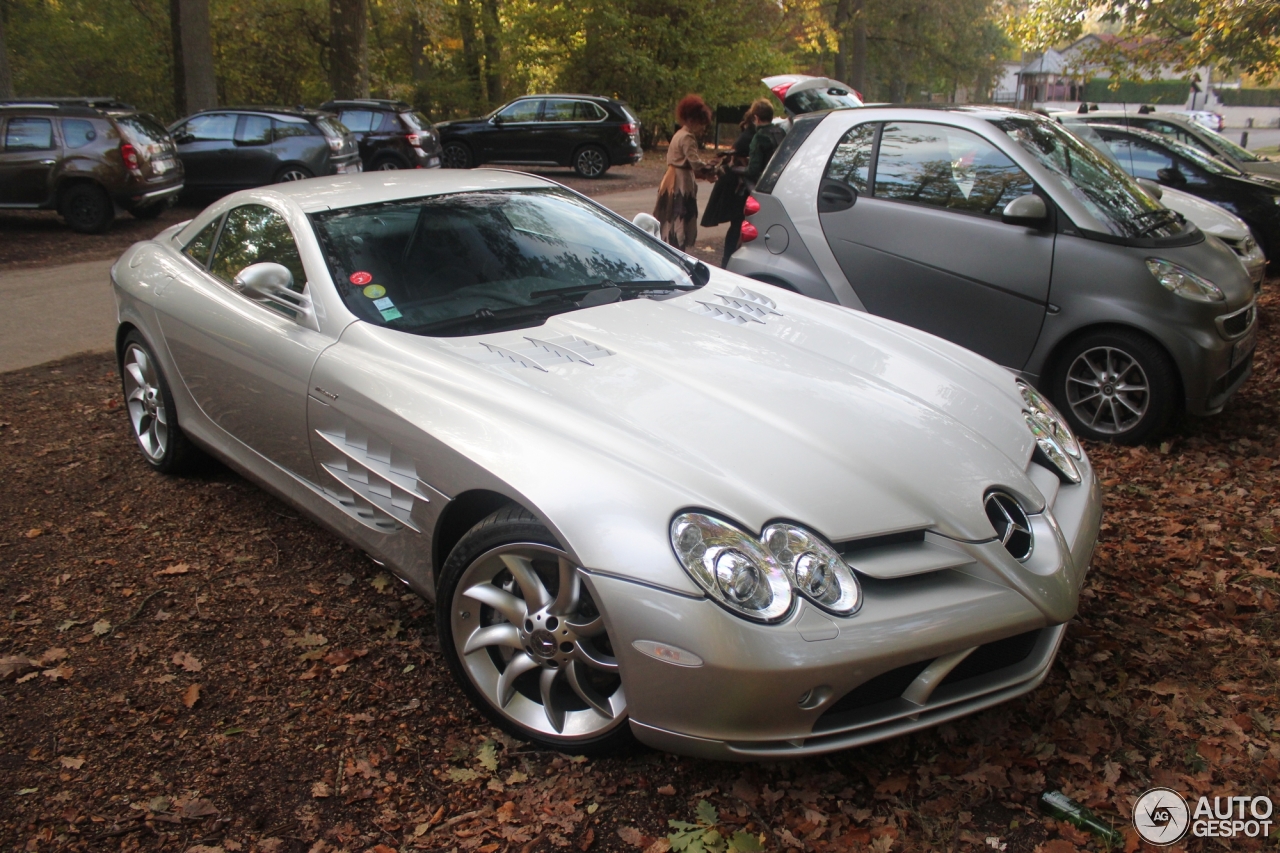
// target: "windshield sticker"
[[375, 291], [384, 303], [391, 314], [359, 279]]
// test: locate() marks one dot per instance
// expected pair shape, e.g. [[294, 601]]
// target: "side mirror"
[[1152, 188], [1027, 210], [184, 138], [497, 120], [1170, 176], [649, 224], [272, 283]]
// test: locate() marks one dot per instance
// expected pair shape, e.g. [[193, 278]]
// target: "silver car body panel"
[[739, 398]]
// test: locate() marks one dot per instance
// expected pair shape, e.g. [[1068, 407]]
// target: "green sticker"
[[391, 314], [375, 291]]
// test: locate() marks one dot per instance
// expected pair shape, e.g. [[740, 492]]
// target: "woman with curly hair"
[[677, 207]]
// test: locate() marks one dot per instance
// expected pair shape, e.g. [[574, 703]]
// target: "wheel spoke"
[[1115, 414], [1094, 420], [162, 416], [1130, 406], [577, 680], [516, 667], [137, 394], [503, 634], [135, 372], [593, 657], [591, 628], [546, 685], [521, 568], [570, 589], [1092, 383], [500, 600]]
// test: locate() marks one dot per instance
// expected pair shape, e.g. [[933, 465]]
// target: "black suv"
[[84, 157], [391, 134], [236, 147], [587, 132]]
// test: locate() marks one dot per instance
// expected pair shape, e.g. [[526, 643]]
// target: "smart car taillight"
[[752, 206], [130, 156], [749, 232]]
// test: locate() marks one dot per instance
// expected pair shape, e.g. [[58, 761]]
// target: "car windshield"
[[473, 262], [1220, 142], [1201, 159], [1112, 198], [331, 126], [142, 131], [815, 100]]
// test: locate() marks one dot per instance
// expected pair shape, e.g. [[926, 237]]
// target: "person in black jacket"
[[729, 196], [767, 139]]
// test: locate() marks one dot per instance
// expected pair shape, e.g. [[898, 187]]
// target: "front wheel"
[[525, 640], [1115, 385], [591, 162], [152, 414], [456, 155]]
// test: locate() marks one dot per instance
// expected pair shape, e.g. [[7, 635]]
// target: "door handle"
[[47, 162], [834, 196]]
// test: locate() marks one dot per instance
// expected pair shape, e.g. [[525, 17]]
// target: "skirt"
[[677, 208]]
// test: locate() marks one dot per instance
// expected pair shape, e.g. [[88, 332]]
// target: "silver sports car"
[[647, 497]]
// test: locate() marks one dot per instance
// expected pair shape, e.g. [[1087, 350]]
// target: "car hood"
[[1266, 168], [754, 404], [1207, 216]]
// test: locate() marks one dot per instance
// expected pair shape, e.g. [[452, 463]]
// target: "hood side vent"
[[540, 354], [740, 307]]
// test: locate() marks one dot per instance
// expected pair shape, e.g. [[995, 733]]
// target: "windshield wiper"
[[1166, 215], [490, 317], [606, 283]]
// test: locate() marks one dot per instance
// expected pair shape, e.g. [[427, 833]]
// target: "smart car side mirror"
[[1027, 210], [649, 224], [1152, 188], [1170, 176], [272, 283]]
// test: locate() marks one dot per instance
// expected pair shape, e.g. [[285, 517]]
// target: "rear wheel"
[[152, 415], [292, 173], [389, 164], [87, 208], [1115, 385], [591, 161], [524, 639], [456, 155]]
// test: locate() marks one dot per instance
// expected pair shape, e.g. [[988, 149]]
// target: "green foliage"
[[1132, 92], [706, 837], [1249, 97]]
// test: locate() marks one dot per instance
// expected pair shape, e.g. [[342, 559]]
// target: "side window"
[[28, 134], [212, 127], [358, 121], [1143, 159], [526, 110], [387, 123], [78, 132], [256, 234], [587, 111], [299, 127], [198, 248], [851, 161], [559, 111], [254, 130], [946, 167]]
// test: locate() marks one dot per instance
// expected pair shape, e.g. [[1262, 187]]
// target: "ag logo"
[[1161, 816]]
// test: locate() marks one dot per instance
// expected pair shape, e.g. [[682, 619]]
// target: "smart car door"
[[28, 156], [245, 362], [204, 147], [912, 213]]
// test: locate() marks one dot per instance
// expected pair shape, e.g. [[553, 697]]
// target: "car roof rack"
[[93, 102], [372, 102]]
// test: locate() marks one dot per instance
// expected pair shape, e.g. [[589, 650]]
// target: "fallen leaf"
[[667, 790], [71, 763], [52, 656], [321, 790], [101, 627], [488, 756], [346, 579], [187, 661], [15, 665], [175, 569], [517, 777], [195, 809], [307, 641], [381, 582], [506, 812], [634, 837], [34, 532], [339, 657], [61, 672], [463, 774], [661, 845], [191, 695]]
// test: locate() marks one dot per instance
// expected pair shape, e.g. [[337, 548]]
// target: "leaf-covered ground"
[[189, 666]]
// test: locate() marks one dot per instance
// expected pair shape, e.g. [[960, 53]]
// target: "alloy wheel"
[[1108, 390], [387, 166], [293, 175], [532, 641], [146, 403], [456, 156], [590, 163]]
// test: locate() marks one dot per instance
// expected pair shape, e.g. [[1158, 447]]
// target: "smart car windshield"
[[473, 262], [1112, 199]]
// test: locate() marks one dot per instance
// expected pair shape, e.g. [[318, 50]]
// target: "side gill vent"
[[740, 307], [375, 485], [539, 353]]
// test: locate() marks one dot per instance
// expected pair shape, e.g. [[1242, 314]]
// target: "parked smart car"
[[390, 134], [647, 497], [1001, 231], [83, 157], [588, 132], [1254, 198], [1187, 132], [233, 148]]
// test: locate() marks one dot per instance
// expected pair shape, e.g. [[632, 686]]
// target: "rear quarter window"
[[78, 132]]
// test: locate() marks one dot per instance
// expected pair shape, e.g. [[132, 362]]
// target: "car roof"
[[300, 112], [343, 191], [1177, 118], [980, 111], [71, 106], [383, 103], [601, 98]]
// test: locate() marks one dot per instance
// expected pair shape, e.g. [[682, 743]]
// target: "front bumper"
[[816, 683], [1216, 364]]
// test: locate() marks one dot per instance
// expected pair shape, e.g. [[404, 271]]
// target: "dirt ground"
[[188, 665]]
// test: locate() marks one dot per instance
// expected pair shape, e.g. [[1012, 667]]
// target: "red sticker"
[[361, 278]]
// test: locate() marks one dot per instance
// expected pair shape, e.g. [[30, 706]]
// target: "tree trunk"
[[841, 25], [349, 48], [490, 24], [194, 85], [470, 49], [858, 60], [6, 76], [419, 67]]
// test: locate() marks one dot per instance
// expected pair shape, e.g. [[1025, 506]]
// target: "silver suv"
[[1002, 232]]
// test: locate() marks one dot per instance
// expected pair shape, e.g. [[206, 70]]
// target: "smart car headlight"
[[1050, 419], [731, 566], [815, 569], [1182, 281]]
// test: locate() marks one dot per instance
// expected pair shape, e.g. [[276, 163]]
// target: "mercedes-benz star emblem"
[[1011, 524]]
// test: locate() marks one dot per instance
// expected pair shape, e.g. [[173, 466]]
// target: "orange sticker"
[[360, 278]]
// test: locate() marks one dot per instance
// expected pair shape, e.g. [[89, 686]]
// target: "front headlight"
[[1050, 419], [815, 569], [1184, 282], [1053, 452], [731, 566]]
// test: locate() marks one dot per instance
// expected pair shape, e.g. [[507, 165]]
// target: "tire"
[[87, 208], [590, 161], [456, 155], [151, 211], [389, 164], [1115, 385], [476, 581], [153, 418], [292, 173]]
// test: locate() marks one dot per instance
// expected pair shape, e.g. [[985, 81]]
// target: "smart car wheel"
[[591, 162], [455, 155], [1116, 386], [151, 411], [525, 640], [292, 173], [87, 208]]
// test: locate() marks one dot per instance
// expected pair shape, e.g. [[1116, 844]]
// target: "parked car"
[[233, 148], [647, 497], [1255, 199], [1188, 133], [83, 157], [1207, 216], [390, 134], [1204, 118], [588, 132], [1002, 232], [804, 93]]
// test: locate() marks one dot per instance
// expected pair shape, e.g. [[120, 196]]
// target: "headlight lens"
[[731, 566], [1184, 282], [1050, 419], [815, 569], [1052, 449]]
